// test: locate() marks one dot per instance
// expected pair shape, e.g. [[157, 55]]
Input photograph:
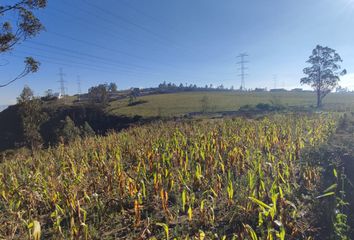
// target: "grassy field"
[[182, 103], [211, 179]]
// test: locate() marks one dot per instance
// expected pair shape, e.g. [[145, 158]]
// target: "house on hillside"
[[278, 90], [260, 89], [297, 90]]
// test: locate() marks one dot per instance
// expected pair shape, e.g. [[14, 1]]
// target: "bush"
[[67, 132], [86, 130]]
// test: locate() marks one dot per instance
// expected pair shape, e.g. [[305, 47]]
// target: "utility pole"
[[242, 69], [79, 88]]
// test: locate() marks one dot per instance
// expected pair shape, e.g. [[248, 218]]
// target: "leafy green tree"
[[24, 25], [26, 95], [67, 131], [99, 94], [134, 93], [162, 85], [324, 73], [221, 87], [87, 131], [32, 117], [112, 87]]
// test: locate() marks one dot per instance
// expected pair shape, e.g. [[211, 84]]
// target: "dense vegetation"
[[210, 179], [12, 125]]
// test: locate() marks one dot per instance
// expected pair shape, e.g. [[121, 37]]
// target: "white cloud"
[[347, 81]]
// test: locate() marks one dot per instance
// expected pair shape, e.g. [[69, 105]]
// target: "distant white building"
[[57, 95], [342, 89]]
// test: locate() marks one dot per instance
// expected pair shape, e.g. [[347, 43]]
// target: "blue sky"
[[140, 43]]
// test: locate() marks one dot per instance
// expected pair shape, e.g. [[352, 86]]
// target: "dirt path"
[[348, 164], [341, 153]]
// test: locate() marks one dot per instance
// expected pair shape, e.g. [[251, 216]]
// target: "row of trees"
[[100, 93], [173, 86]]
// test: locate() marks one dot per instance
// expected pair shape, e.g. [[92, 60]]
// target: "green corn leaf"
[[325, 195], [259, 202], [251, 232], [330, 188], [165, 227]]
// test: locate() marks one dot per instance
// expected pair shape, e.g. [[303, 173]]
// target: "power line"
[[74, 65], [122, 19], [107, 31], [107, 60], [66, 62], [94, 45], [242, 69], [81, 57], [96, 68], [140, 12], [104, 48]]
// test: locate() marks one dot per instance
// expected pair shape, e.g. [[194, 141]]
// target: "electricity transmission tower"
[[275, 79], [79, 88], [242, 69], [62, 83]]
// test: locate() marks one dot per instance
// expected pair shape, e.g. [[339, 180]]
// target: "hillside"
[[119, 114], [176, 104], [3, 107]]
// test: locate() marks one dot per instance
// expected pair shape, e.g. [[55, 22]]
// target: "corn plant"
[[231, 178]]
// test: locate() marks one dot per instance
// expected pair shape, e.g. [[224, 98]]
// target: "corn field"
[[210, 179]]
